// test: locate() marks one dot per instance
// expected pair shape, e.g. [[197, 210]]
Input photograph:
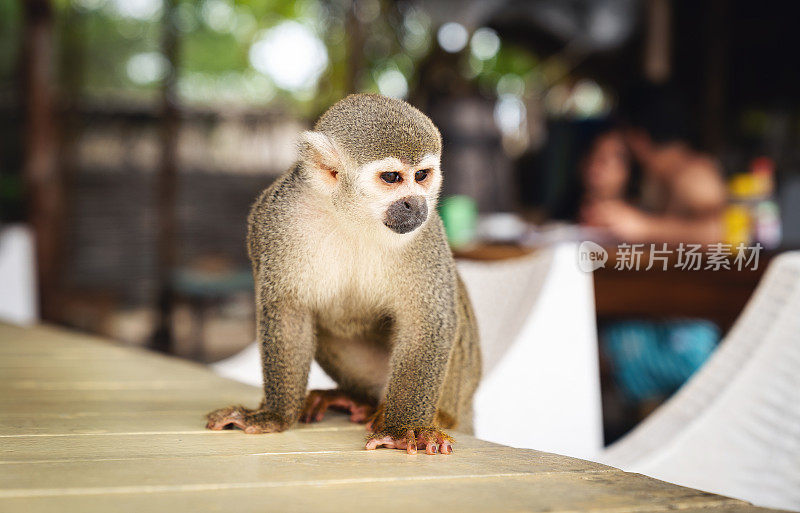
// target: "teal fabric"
[[653, 359]]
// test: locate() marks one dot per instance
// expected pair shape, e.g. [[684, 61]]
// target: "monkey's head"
[[376, 160]]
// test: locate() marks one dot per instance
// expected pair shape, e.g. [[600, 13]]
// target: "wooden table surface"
[[90, 426]]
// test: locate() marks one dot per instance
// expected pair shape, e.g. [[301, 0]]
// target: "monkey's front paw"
[[432, 440], [318, 402], [250, 421]]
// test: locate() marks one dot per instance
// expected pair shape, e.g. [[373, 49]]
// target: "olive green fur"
[[372, 127]]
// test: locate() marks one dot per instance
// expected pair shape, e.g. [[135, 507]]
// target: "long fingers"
[[224, 417], [386, 441], [315, 407], [435, 444], [431, 443]]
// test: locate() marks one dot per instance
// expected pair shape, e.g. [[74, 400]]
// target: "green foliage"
[[10, 34], [107, 49], [509, 61]]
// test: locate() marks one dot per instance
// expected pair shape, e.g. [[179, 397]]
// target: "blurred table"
[[491, 252], [91, 426], [718, 295]]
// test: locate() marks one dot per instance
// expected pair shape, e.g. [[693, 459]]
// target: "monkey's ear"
[[320, 151]]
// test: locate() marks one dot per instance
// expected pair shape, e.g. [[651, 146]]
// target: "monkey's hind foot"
[[432, 440], [250, 421], [318, 402]]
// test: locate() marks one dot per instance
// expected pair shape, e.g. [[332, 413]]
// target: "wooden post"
[[41, 175], [355, 48], [714, 118], [166, 186], [657, 50], [72, 67]]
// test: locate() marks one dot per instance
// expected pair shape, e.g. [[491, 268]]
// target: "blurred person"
[[647, 359], [682, 194], [605, 170], [601, 171]]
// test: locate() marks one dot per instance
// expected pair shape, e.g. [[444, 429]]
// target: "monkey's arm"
[[422, 344], [418, 366], [286, 337]]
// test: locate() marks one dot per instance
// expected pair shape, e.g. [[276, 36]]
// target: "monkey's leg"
[[287, 346], [318, 402]]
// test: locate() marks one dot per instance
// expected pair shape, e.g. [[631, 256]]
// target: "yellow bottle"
[[738, 217]]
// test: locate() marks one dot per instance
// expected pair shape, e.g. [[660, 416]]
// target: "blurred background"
[[134, 134]]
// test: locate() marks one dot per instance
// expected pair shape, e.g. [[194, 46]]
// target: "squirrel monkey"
[[352, 268]]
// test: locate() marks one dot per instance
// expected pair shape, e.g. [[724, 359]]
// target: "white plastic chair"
[[734, 428], [18, 295], [540, 387]]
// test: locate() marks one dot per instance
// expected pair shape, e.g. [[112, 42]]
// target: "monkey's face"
[[387, 195], [399, 195]]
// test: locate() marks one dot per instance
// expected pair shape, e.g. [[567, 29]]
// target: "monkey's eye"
[[421, 175], [391, 177]]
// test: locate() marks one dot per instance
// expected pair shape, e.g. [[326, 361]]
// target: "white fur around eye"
[[429, 162], [432, 162], [369, 170], [376, 197]]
